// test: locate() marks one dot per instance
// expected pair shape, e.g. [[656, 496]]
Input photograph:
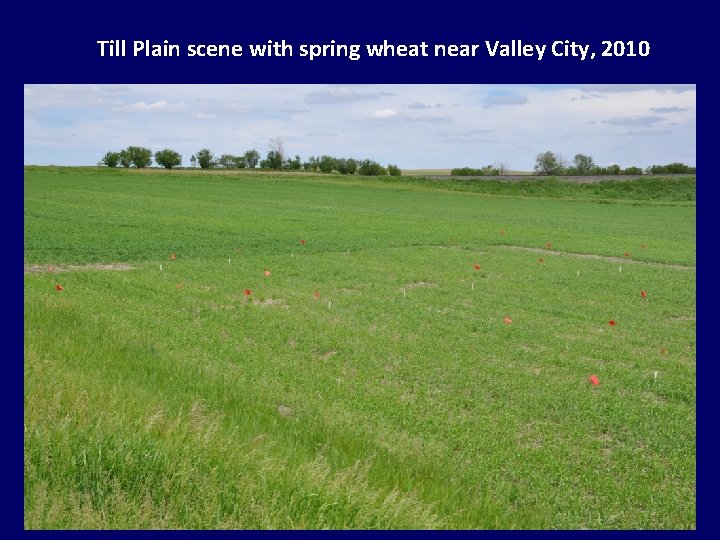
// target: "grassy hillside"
[[324, 352]]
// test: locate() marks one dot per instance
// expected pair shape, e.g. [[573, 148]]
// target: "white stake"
[[161, 267], [472, 286], [328, 304], [292, 254], [404, 294], [228, 260], [656, 375], [621, 269], [578, 272]]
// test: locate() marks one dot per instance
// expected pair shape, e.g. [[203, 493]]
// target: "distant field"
[[444, 172], [375, 378]]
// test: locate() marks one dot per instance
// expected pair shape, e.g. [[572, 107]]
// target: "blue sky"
[[413, 126]]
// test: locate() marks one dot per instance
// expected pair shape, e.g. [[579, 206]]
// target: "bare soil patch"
[[623, 260], [118, 267]]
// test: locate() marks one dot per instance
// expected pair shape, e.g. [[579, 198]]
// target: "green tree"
[[679, 168], [393, 170], [227, 161], [327, 164], [168, 158], [193, 161], [583, 164], [548, 163], [344, 165], [633, 170], [368, 167], [111, 159], [351, 165], [311, 164], [139, 156], [252, 157], [274, 161], [293, 164], [205, 159], [277, 147], [125, 159]]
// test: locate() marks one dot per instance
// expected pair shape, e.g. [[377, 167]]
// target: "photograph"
[[359, 306]]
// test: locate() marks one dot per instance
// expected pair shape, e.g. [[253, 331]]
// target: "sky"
[[412, 126]]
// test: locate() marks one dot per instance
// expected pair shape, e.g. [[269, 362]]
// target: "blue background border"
[[57, 44]]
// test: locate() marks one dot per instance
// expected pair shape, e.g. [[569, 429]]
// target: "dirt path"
[[30, 268], [624, 260]]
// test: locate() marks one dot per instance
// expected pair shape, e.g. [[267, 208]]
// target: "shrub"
[[393, 170]]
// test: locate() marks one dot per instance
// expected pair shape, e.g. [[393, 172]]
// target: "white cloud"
[[384, 113], [161, 105]]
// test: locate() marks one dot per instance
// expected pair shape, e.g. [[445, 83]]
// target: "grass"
[[397, 399], [670, 190]]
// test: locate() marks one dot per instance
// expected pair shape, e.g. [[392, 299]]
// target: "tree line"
[[551, 164], [546, 163], [275, 160]]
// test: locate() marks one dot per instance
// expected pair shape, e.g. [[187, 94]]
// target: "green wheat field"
[[247, 351]]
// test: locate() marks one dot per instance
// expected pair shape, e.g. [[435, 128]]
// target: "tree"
[[327, 164], [139, 156], [205, 159], [311, 164], [193, 161], [351, 165], [393, 170], [633, 170], [227, 161], [342, 165], [293, 164], [168, 158], [502, 167], [583, 164], [368, 167], [548, 163], [252, 157], [346, 166], [231, 162], [277, 146], [274, 160], [111, 159], [125, 160]]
